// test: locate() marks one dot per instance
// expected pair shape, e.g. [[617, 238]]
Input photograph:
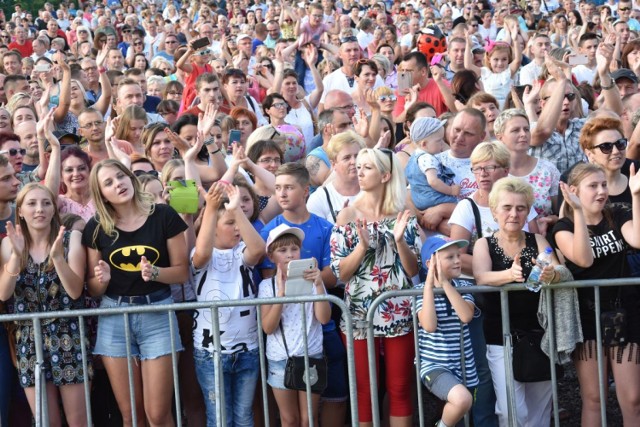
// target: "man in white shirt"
[[407, 40], [588, 45], [540, 45], [487, 29]]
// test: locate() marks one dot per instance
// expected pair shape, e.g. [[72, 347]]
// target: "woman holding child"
[[374, 248]]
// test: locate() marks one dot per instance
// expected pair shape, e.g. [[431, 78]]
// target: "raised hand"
[[363, 232], [192, 152], [233, 192], [102, 55], [239, 157], [384, 140], [178, 142], [14, 233], [532, 93], [310, 55], [402, 220], [516, 270], [362, 125], [604, 56], [102, 271], [437, 73], [372, 99], [207, 120], [571, 198], [214, 196], [57, 248]]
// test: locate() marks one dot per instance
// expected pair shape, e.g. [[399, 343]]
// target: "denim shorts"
[[275, 374], [150, 335]]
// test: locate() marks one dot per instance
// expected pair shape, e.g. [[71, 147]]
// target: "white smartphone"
[[296, 284], [578, 60]]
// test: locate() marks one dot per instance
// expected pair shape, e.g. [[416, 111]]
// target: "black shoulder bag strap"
[[476, 215], [284, 340], [333, 212]]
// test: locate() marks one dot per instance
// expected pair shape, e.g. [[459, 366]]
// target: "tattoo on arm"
[[313, 165]]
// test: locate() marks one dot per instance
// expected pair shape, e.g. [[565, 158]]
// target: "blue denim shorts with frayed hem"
[[149, 332]]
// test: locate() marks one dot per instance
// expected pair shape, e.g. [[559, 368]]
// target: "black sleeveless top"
[[523, 305]]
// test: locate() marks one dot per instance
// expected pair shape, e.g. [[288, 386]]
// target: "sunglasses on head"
[[153, 173], [13, 152], [389, 153], [607, 147], [349, 39]]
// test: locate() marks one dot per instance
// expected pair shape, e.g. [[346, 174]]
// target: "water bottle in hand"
[[533, 282]]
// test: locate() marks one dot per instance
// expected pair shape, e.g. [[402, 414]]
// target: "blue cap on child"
[[437, 243], [422, 127]]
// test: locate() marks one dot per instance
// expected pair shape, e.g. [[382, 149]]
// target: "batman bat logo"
[[128, 258]]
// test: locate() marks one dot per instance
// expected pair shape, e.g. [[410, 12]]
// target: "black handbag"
[[294, 372], [530, 364]]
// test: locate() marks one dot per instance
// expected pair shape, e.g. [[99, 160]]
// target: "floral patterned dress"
[[544, 179], [381, 270]]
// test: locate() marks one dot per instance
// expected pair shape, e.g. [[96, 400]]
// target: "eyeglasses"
[[80, 32], [126, 31], [482, 169], [90, 69], [153, 173], [349, 39], [569, 97], [607, 147], [279, 105], [389, 153], [13, 152], [385, 98], [269, 160], [95, 124]]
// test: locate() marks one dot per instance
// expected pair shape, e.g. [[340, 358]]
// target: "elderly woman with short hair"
[[505, 256]]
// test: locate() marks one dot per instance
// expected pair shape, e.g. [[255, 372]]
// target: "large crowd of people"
[[393, 145]]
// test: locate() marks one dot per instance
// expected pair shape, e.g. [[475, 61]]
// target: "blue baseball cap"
[[437, 243]]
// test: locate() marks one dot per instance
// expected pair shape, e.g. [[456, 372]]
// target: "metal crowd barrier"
[[41, 411], [506, 331]]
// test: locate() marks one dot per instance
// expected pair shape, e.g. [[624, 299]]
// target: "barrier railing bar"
[[221, 413], [41, 385], [307, 379], [464, 369], [263, 368], [508, 364], [418, 363], [371, 357], [132, 391], [601, 361], [41, 407], [85, 370], [552, 355], [174, 368]]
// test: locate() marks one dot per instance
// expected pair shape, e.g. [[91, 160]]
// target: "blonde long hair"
[[55, 223], [105, 213]]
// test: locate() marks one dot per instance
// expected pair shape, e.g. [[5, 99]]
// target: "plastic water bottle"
[[533, 282]]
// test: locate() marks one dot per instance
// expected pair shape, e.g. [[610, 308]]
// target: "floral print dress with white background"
[[380, 271]]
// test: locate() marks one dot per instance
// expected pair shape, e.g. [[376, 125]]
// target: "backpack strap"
[[284, 340], [313, 116]]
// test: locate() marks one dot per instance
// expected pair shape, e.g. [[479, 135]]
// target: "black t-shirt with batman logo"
[[124, 254]]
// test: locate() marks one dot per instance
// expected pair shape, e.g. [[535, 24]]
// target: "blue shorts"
[[149, 332], [275, 374]]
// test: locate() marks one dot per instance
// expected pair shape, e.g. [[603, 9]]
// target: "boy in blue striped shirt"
[[442, 319]]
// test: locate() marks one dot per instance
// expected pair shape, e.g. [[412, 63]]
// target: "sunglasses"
[[349, 39], [569, 96], [137, 44], [153, 173], [385, 98], [607, 147], [13, 152], [623, 9]]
